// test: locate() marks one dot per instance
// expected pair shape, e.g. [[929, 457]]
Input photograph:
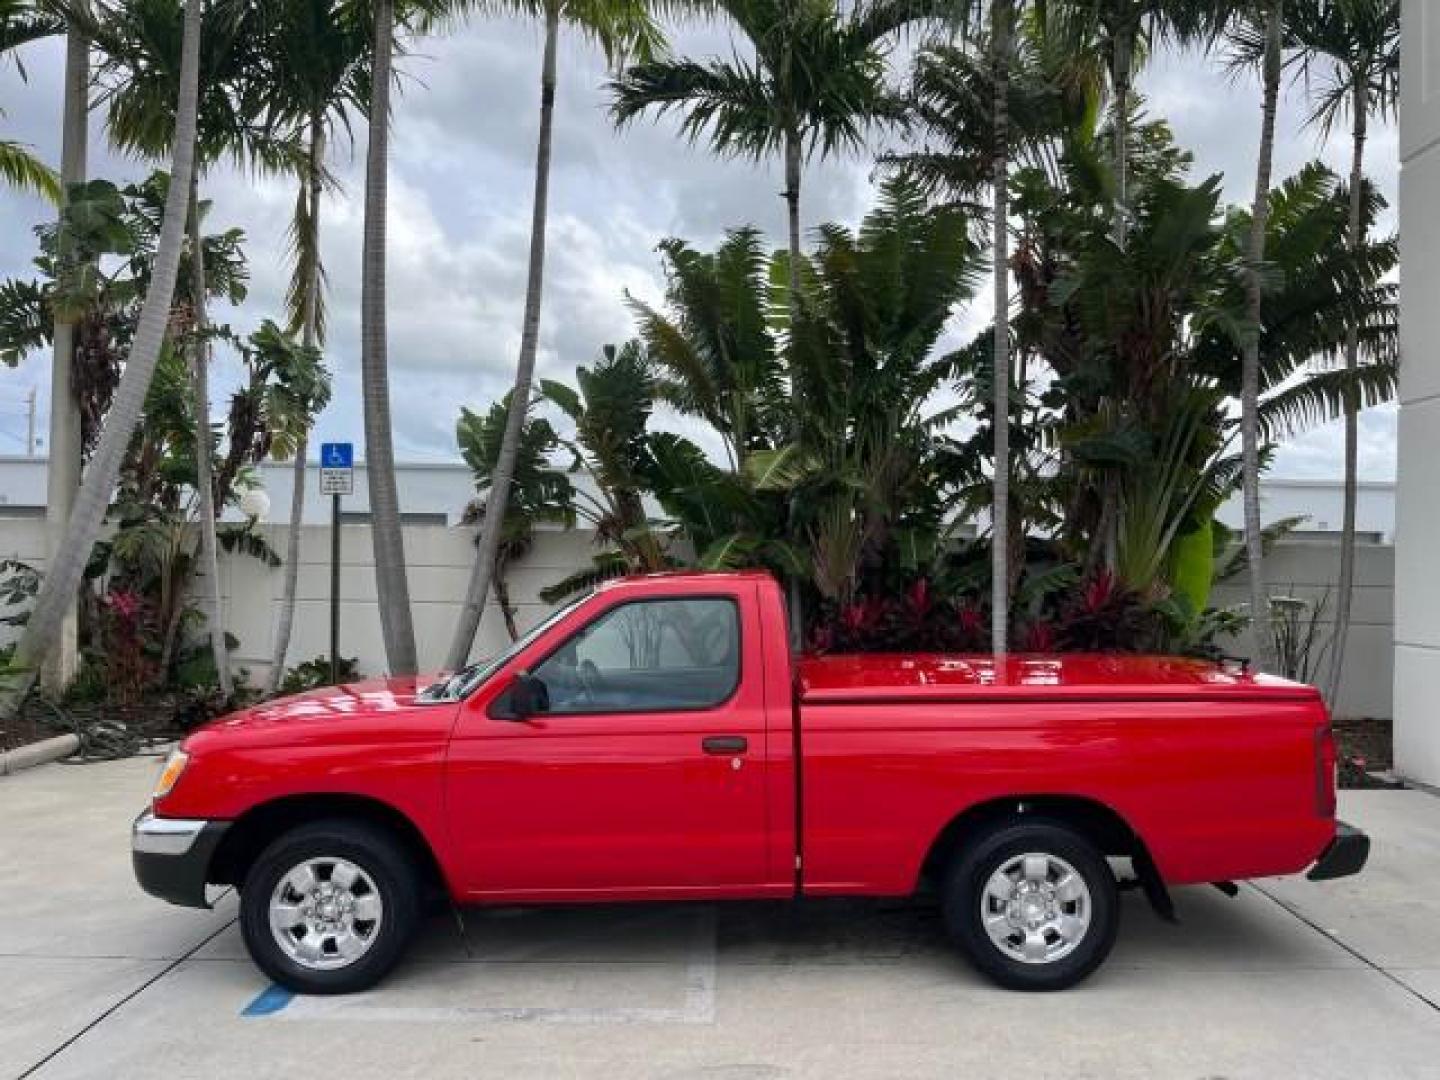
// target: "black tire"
[[984, 855], [373, 850]]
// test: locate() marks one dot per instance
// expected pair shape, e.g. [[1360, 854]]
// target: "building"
[[1417, 591], [436, 493]]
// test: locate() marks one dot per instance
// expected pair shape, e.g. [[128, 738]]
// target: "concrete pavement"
[[1292, 979]]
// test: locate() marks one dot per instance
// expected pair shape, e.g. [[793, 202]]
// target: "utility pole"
[[30, 424]]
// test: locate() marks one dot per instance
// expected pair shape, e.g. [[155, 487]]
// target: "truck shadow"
[[1214, 931]]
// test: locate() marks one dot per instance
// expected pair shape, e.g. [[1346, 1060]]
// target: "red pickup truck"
[[656, 741]]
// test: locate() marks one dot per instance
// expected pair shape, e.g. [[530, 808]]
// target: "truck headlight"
[[174, 766]]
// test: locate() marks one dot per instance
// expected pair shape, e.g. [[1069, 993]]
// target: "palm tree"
[[22, 22], [1118, 34], [68, 564], [815, 82], [1354, 47], [1002, 14], [1267, 19], [965, 105], [317, 54], [63, 474], [391, 587], [621, 28]]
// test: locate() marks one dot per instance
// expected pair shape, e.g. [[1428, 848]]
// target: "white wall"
[[1417, 534], [439, 562], [439, 565], [1309, 569]]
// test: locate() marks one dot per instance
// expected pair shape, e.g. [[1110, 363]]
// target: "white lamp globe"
[[255, 504]]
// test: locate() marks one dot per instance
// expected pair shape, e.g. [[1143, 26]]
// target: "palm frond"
[[21, 169]]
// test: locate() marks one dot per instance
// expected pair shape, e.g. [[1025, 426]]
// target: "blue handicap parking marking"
[[337, 455], [269, 1001]]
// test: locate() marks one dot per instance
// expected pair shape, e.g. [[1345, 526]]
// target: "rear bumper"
[[172, 856], [1343, 856]]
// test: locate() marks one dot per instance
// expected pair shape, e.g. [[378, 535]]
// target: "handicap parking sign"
[[337, 455], [337, 468]]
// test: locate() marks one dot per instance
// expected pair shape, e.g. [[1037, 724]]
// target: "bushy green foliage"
[[314, 674]]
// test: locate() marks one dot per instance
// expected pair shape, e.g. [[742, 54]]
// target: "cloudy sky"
[[461, 174]]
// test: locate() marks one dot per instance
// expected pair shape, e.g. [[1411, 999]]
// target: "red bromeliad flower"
[[853, 617], [822, 639], [1039, 637], [919, 598], [969, 619], [123, 603], [1099, 591]]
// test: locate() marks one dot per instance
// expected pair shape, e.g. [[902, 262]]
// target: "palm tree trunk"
[[204, 478], [63, 475], [1250, 367], [499, 497], [1000, 14], [502, 597], [391, 587], [98, 485], [793, 173], [1346, 586], [1122, 65], [310, 307]]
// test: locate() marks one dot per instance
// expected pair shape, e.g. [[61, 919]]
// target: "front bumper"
[[1343, 856], [172, 856]]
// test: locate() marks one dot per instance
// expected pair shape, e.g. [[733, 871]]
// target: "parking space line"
[[697, 1005], [1356, 953], [117, 1006], [270, 1000]]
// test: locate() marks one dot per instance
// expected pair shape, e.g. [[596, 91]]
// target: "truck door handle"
[[724, 744]]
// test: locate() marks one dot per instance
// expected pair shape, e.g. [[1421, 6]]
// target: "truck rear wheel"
[[329, 907], [1033, 903]]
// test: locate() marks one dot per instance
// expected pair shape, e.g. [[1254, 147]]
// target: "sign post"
[[337, 478]]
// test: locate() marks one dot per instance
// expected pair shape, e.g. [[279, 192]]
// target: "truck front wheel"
[[1033, 903], [329, 907]]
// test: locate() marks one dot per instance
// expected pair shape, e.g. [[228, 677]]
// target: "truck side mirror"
[[528, 696]]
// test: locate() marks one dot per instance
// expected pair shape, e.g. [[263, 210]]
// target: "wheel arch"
[[254, 830], [1101, 823]]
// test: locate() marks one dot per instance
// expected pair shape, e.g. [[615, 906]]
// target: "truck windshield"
[[467, 679]]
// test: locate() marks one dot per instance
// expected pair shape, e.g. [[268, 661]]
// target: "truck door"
[[643, 774]]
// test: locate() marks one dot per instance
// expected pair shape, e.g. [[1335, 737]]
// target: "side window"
[[648, 656]]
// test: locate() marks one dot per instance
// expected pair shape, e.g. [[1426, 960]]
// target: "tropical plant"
[[622, 28], [1353, 49], [316, 674], [540, 493], [23, 22], [610, 411], [715, 353], [68, 562], [813, 84], [139, 47], [1298, 638]]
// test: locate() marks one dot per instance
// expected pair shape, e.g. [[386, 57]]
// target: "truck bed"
[[872, 677]]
